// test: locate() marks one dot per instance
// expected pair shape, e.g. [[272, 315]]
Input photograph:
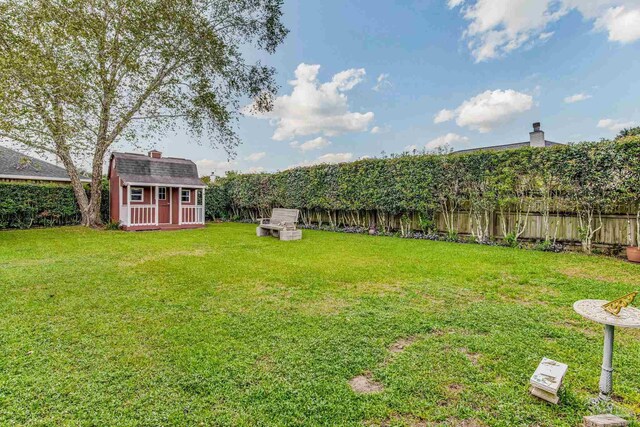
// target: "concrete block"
[[261, 232], [290, 234], [544, 395], [604, 420]]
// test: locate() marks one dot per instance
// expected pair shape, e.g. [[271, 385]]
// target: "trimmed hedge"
[[25, 205], [419, 182], [586, 179]]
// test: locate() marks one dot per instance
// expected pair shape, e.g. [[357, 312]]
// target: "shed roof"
[[15, 165], [141, 169]]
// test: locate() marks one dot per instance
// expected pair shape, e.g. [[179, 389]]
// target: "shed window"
[[186, 196], [162, 193], [136, 194]]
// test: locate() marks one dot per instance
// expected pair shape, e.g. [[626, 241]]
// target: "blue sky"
[[360, 77]]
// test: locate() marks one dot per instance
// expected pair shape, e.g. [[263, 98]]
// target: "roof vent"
[[155, 154]]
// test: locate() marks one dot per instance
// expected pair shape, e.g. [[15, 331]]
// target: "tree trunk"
[[94, 219], [89, 205]]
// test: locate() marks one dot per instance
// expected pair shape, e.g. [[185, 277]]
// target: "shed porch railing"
[[138, 215], [133, 215], [192, 214]]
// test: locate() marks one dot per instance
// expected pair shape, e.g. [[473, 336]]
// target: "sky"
[[363, 77]]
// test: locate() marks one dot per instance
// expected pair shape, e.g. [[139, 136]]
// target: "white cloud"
[[576, 98], [317, 108], [254, 157], [488, 109], [382, 82], [220, 168], [622, 24], [444, 115], [498, 27], [255, 169], [326, 158], [378, 129], [411, 148], [447, 139], [313, 144], [614, 125], [334, 158], [546, 36]]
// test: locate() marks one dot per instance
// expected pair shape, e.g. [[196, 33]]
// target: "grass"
[[219, 327]]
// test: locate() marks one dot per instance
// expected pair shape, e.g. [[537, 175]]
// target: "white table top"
[[591, 309]]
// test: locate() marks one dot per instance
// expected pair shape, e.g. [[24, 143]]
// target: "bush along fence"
[[42, 205], [585, 194]]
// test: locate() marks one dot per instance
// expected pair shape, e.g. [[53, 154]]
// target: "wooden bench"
[[282, 224]]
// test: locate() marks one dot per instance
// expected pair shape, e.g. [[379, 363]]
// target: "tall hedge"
[[588, 179], [25, 205]]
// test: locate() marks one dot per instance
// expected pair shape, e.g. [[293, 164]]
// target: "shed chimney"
[[155, 154], [536, 138]]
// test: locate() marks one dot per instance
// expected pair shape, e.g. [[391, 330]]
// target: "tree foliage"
[[634, 131], [76, 76]]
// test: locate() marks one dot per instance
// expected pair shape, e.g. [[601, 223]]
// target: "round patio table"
[[629, 317]]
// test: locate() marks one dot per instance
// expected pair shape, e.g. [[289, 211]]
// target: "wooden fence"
[[564, 228], [616, 230]]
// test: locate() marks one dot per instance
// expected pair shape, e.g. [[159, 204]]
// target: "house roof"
[[15, 165], [140, 169], [512, 146]]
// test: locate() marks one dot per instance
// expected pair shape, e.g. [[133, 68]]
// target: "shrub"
[[511, 240], [112, 225], [24, 205], [548, 246]]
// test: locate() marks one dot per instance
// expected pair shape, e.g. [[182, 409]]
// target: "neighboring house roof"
[[15, 165], [141, 169], [512, 146]]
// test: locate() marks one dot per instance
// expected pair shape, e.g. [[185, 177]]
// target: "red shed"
[[154, 192]]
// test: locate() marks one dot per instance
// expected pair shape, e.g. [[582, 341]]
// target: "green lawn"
[[219, 327]]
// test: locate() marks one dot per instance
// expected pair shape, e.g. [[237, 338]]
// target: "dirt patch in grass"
[[264, 363], [399, 420], [438, 332], [401, 344], [463, 332], [162, 255], [14, 264], [291, 300], [577, 327], [455, 388], [471, 356], [363, 384], [613, 276], [471, 422], [523, 300], [380, 289], [327, 306]]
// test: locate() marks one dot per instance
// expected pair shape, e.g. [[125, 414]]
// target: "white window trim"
[[165, 193], [131, 194], [188, 198]]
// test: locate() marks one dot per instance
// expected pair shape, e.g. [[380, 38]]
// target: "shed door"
[[164, 205]]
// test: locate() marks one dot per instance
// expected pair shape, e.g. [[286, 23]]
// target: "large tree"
[[76, 76]]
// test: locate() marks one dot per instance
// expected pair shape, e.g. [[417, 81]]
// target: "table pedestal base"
[[628, 317], [606, 374]]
